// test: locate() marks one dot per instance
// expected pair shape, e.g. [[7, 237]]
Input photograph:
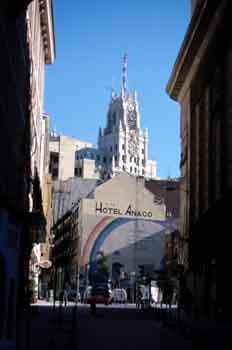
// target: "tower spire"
[[124, 73]]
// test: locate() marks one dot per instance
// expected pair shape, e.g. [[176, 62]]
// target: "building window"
[[75, 171], [54, 173], [111, 149], [116, 147], [104, 159], [123, 146], [55, 158], [123, 159], [135, 170], [143, 151], [123, 168], [131, 169], [143, 162], [98, 158], [116, 158], [131, 159], [143, 172]]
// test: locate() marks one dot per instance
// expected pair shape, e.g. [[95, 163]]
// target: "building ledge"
[[205, 13], [47, 27]]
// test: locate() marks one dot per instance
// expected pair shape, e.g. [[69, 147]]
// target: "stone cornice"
[[47, 29], [199, 33]]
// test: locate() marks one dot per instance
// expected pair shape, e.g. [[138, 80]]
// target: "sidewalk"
[[204, 334], [54, 327]]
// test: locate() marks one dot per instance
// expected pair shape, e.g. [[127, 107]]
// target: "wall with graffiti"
[[125, 223]]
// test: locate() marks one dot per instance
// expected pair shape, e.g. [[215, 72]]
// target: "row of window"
[[135, 170], [136, 160], [104, 159], [123, 147]]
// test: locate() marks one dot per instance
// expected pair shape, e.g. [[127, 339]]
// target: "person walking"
[[65, 296], [61, 297]]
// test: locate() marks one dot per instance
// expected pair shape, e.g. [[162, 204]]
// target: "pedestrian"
[[61, 297], [139, 303], [65, 296]]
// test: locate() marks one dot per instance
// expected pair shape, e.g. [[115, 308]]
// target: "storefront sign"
[[128, 212]]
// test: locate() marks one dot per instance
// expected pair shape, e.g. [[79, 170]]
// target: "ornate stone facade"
[[122, 145]]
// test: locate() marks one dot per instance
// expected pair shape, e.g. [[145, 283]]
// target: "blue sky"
[[91, 38]]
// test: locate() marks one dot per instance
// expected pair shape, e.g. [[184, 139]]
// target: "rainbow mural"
[[100, 232]]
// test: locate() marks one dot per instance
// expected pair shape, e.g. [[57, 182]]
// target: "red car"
[[100, 294]]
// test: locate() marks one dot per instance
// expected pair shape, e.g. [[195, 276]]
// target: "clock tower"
[[122, 145]]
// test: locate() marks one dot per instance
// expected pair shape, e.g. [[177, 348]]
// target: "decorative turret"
[[122, 141]]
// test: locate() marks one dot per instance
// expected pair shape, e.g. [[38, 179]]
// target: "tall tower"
[[122, 146]]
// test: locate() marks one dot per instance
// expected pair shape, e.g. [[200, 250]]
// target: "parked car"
[[119, 295], [100, 294]]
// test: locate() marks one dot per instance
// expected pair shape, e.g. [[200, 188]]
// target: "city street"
[[112, 327]]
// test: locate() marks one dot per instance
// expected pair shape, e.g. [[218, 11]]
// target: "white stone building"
[[122, 145], [62, 155]]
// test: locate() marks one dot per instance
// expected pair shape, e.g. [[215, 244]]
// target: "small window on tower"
[[123, 146], [54, 173]]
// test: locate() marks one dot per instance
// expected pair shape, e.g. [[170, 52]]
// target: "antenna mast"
[[124, 73]]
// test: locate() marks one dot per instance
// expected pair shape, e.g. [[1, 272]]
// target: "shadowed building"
[[27, 44], [201, 83]]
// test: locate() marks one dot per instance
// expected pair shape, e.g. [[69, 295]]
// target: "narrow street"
[[113, 327]]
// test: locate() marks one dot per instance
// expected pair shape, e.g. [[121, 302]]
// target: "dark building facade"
[[201, 83], [22, 220], [15, 163], [168, 190]]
